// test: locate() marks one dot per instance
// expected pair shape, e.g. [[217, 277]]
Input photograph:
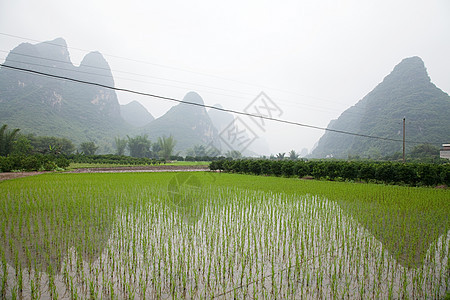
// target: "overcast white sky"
[[314, 59]]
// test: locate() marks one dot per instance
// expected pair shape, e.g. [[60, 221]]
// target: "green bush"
[[387, 172], [62, 162], [301, 169], [49, 166], [6, 164], [31, 163]]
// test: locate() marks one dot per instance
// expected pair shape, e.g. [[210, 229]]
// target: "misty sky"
[[314, 59]]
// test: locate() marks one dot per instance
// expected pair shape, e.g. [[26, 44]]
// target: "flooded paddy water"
[[198, 241]]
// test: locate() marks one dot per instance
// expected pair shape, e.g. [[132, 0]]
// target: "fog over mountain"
[[135, 114], [407, 92], [83, 112], [314, 59], [52, 107]]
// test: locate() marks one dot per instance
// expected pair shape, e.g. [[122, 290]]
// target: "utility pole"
[[404, 119]]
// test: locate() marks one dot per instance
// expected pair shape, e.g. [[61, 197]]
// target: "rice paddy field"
[[203, 235]]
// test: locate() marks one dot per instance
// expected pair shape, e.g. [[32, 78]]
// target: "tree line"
[[413, 174], [29, 152], [32, 153]]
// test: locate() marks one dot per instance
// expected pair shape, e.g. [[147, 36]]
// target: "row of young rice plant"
[[203, 235]]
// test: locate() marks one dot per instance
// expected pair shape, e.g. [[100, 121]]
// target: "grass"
[[74, 166], [207, 235]]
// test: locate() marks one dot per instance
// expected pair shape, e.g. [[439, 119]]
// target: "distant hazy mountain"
[[406, 92], [136, 114], [55, 107], [190, 125], [224, 122], [220, 119]]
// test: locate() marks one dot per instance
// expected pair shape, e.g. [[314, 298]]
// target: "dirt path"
[[12, 175], [160, 168]]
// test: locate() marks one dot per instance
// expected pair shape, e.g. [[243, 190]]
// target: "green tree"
[[7, 139], [167, 145], [121, 144], [293, 155], [373, 153], [88, 148], [280, 156], [424, 151], [51, 144], [22, 146], [234, 154], [139, 146], [155, 151], [197, 151]]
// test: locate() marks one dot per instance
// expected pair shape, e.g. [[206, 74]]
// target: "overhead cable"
[[202, 105]]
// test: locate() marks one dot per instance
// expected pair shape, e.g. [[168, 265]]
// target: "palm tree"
[[293, 155], [280, 156], [121, 144], [88, 148], [7, 139], [167, 145]]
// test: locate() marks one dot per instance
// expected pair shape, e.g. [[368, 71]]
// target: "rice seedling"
[[171, 235]]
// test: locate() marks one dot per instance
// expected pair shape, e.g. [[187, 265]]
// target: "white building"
[[445, 151]]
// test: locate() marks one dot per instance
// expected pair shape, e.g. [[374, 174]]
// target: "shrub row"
[[414, 174], [203, 158], [36, 162], [113, 159]]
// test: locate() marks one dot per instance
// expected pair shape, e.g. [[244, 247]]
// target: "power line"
[[70, 64], [328, 109], [202, 105], [124, 78], [175, 68], [286, 102]]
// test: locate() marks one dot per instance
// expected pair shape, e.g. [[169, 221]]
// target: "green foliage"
[[156, 148], [293, 155], [23, 146], [7, 139], [167, 145], [426, 153], [51, 145], [280, 156], [139, 146], [197, 150], [424, 150], [203, 158], [233, 154], [10, 163], [88, 148], [121, 145], [112, 159], [386, 172], [33, 162]]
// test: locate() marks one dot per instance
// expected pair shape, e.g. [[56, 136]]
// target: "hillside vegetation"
[[405, 93]]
